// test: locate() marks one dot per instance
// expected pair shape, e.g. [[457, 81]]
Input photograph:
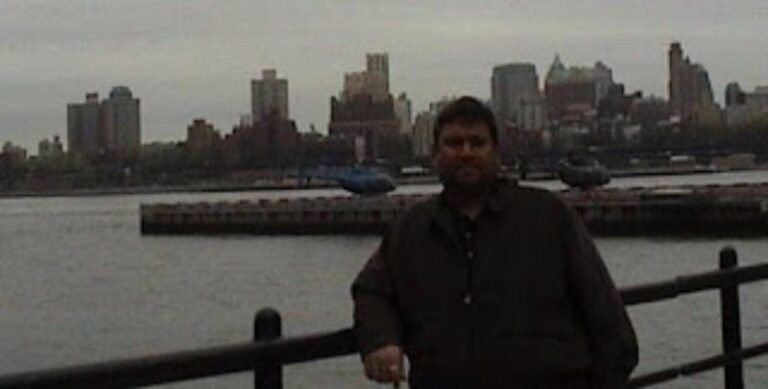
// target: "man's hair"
[[465, 110]]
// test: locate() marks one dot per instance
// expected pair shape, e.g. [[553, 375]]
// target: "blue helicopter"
[[362, 181], [583, 173]]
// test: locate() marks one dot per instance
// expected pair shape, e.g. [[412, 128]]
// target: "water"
[[78, 284]]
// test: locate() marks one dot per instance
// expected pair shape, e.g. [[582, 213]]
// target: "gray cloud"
[[188, 59]]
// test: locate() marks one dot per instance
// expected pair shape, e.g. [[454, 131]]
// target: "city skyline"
[[186, 61]]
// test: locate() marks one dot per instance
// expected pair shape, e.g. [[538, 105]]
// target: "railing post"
[[267, 325], [731, 321]]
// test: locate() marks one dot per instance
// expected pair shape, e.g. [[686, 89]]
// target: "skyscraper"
[[574, 93], [83, 126], [111, 127], [377, 68], [690, 92], [510, 85], [676, 76], [423, 136], [365, 111], [269, 96], [122, 122], [404, 113], [373, 81], [378, 63]]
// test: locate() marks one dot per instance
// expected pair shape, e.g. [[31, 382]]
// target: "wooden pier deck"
[[740, 209]]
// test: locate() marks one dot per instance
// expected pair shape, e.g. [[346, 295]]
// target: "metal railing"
[[269, 352]]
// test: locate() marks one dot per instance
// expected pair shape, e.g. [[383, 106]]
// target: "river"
[[78, 284]]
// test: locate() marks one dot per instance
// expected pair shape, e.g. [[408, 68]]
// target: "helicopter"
[[359, 180], [583, 173]]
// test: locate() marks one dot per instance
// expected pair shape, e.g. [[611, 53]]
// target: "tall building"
[[355, 84], [734, 95], [616, 104], [677, 75], [574, 93], [364, 118], [736, 112], [111, 127], [83, 126], [742, 108], [423, 137], [12, 157], [378, 63], [267, 137], [532, 114], [202, 137], [121, 122], [403, 113], [510, 85], [366, 113], [757, 102], [271, 142], [269, 96], [373, 81], [50, 148], [603, 76], [649, 112], [377, 68], [690, 91]]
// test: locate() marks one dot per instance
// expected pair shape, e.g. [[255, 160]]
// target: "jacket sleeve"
[[609, 331], [376, 321]]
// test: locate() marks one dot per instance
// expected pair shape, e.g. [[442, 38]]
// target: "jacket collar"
[[445, 213]]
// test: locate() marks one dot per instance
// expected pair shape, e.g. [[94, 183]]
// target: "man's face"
[[465, 156]]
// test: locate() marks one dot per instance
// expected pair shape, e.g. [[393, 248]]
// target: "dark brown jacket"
[[523, 300]]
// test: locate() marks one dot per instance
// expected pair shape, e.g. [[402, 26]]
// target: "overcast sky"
[[187, 59]]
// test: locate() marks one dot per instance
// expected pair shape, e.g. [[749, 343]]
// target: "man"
[[489, 285]]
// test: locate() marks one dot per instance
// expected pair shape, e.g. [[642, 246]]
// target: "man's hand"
[[385, 364]]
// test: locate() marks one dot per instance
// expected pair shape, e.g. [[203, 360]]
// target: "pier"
[[739, 209], [320, 215]]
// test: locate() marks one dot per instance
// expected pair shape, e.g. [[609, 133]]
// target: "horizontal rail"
[[658, 291], [243, 357], [698, 366], [187, 365]]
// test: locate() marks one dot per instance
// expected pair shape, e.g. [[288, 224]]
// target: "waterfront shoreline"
[[291, 184]]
